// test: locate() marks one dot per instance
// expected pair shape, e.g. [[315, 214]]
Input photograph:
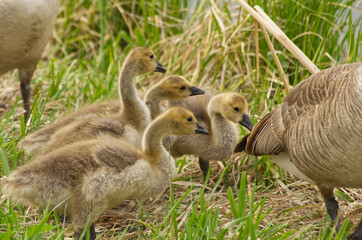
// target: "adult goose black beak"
[[200, 129], [246, 122], [196, 91]]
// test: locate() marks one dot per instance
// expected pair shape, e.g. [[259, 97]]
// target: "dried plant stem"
[[279, 66], [266, 22], [257, 50], [283, 39]]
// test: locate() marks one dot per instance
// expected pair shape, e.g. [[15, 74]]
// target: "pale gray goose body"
[[25, 28]]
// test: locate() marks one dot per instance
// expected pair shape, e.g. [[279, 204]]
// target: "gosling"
[[90, 177], [132, 118], [171, 87], [223, 110]]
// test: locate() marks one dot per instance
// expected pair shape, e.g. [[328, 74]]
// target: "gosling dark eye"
[[151, 56], [189, 119], [236, 109], [183, 88]]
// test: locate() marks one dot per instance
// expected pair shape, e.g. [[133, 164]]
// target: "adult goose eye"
[[236, 109], [189, 119], [183, 88], [151, 56]]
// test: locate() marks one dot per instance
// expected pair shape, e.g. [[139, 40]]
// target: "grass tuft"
[[211, 43]]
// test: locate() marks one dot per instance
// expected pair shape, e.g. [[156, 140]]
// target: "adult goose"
[[25, 28], [316, 133]]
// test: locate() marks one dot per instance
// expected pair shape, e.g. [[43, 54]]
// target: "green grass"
[[213, 46]]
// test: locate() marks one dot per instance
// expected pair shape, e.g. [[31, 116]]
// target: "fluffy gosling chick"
[[172, 87], [223, 110], [130, 121], [92, 176]]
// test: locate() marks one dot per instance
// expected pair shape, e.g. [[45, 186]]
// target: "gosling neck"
[[153, 101], [132, 107], [221, 128], [152, 139]]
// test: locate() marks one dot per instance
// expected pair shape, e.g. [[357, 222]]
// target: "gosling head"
[[182, 122], [145, 60], [233, 107], [176, 87]]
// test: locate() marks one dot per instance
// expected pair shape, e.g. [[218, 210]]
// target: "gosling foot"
[[204, 166], [92, 234], [357, 235]]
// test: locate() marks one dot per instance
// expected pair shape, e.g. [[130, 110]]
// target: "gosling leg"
[[92, 234], [331, 204], [357, 235], [25, 75], [204, 166]]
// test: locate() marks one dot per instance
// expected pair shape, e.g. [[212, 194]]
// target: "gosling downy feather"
[[92, 176], [316, 133], [25, 28], [131, 120], [224, 110], [172, 87]]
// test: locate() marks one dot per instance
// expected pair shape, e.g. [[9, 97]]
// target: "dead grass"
[[222, 58]]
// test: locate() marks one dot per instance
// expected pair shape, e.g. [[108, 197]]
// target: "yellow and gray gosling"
[[223, 111], [130, 122], [92, 176]]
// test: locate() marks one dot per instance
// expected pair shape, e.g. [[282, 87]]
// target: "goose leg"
[[92, 234], [25, 75], [331, 204], [204, 165], [357, 235]]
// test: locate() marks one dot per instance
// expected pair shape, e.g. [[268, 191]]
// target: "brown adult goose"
[[316, 133], [92, 176], [25, 28]]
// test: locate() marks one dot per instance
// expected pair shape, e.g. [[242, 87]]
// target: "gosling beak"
[[246, 122], [160, 68], [196, 91], [200, 129]]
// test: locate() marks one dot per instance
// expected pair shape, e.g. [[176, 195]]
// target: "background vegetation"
[[212, 44]]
